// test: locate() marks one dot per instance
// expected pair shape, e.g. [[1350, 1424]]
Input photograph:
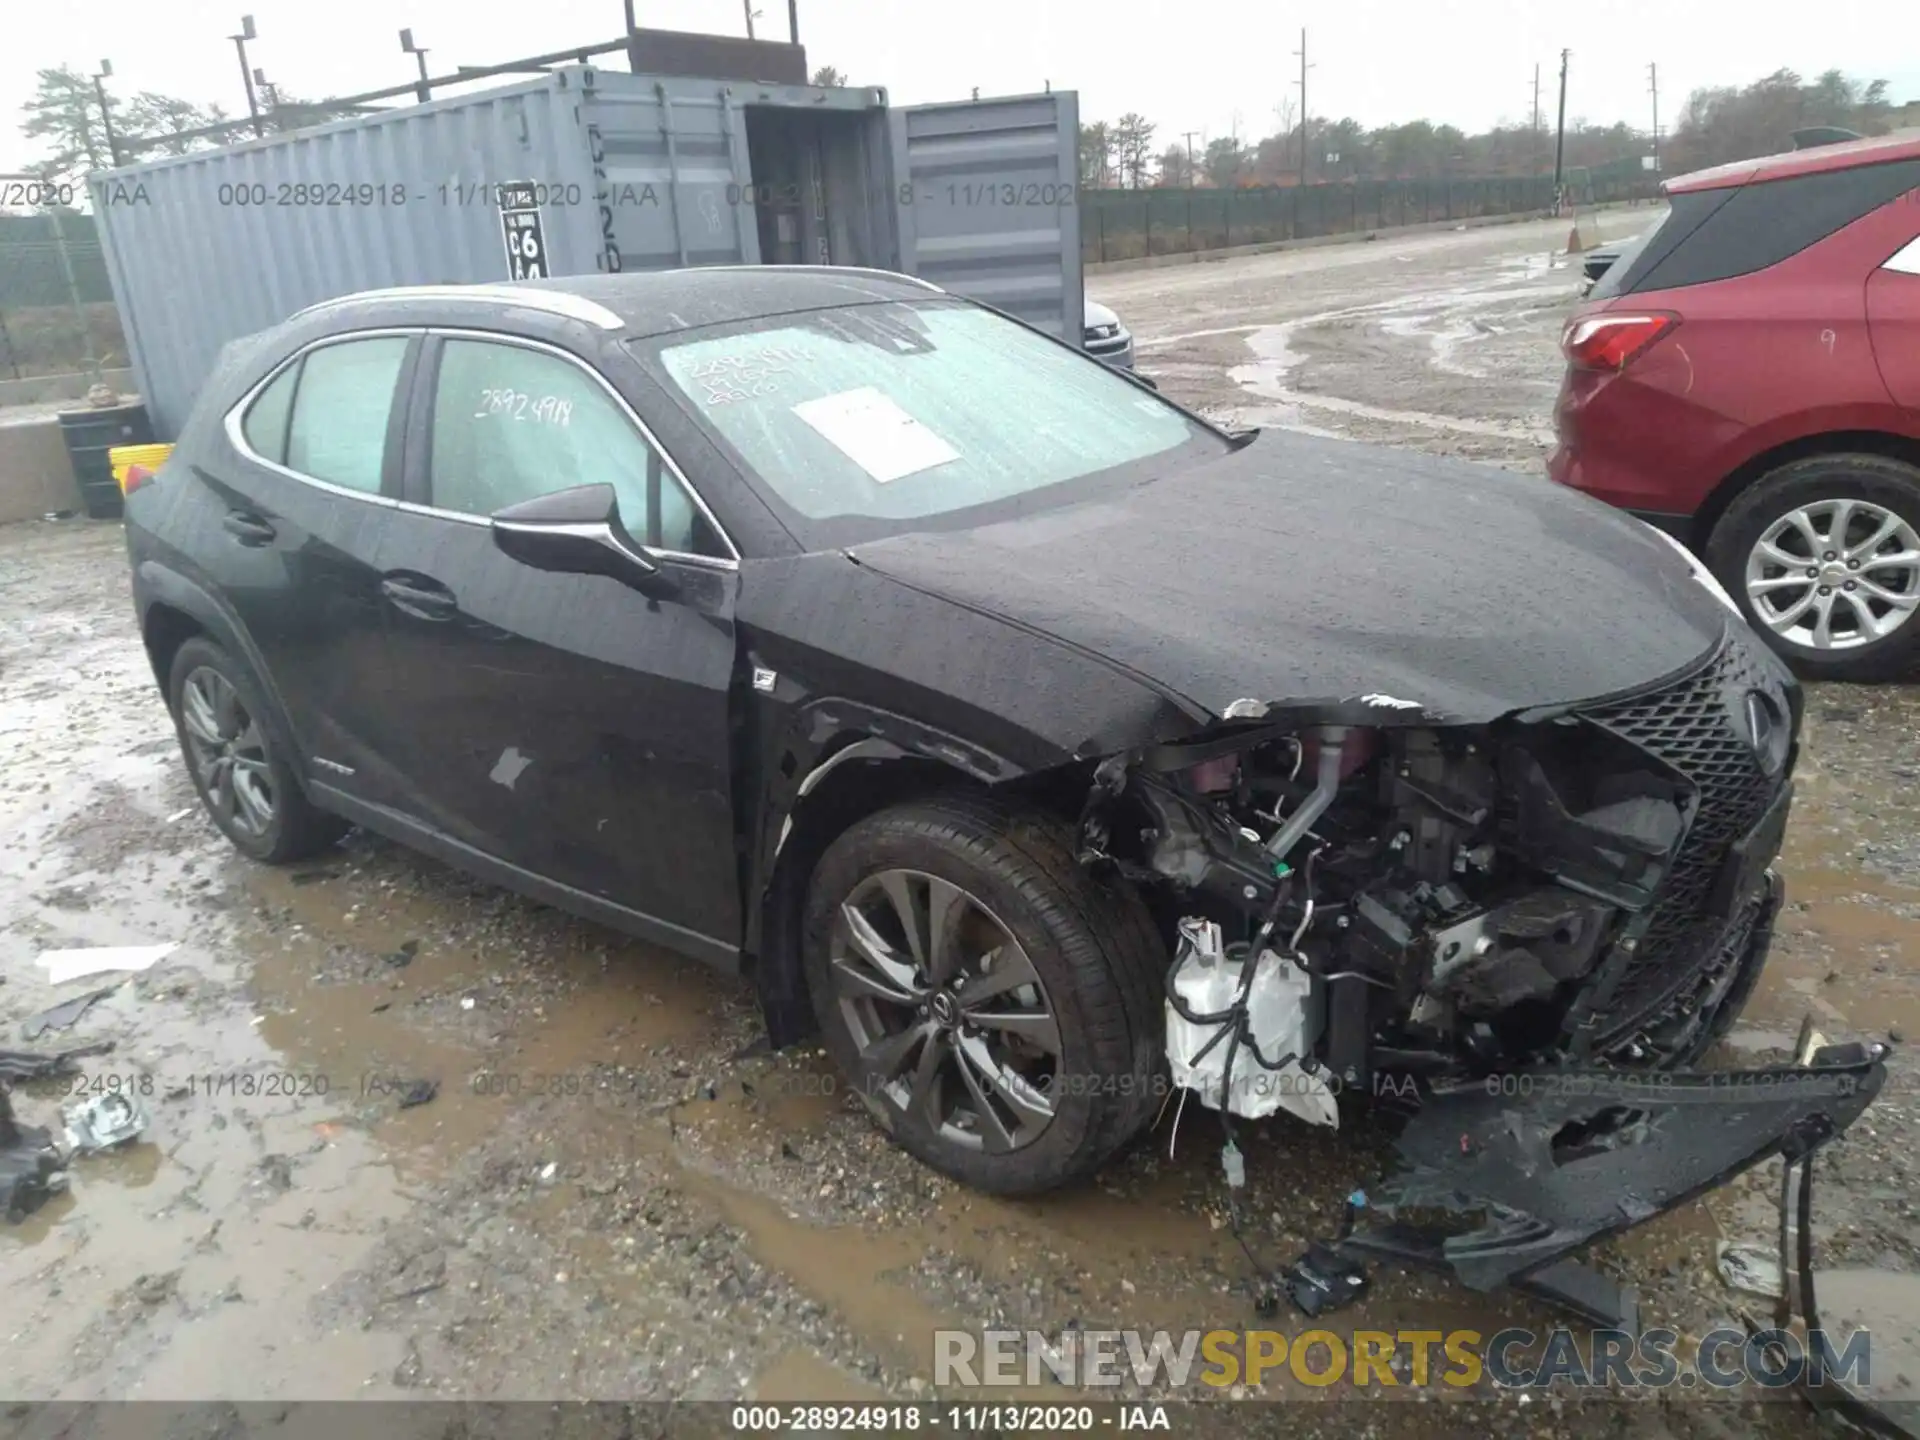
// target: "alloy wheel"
[[228, 750], [1835, 574], [947, 1012]]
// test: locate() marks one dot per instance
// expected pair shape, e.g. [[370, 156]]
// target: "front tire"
[[1823, 557], [995, 1006], [234, 759]]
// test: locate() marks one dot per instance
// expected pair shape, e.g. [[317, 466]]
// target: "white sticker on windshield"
[[876, 434]]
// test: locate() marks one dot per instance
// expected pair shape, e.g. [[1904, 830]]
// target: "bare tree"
[[1133, 142], [1096, 154], [160, 118]]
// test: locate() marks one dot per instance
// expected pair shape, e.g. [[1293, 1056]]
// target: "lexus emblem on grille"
[[1767, 729]]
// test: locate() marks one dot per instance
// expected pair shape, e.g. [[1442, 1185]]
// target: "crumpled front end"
[[1463, 910]]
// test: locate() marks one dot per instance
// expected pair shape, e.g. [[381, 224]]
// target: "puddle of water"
[[1275, 358]]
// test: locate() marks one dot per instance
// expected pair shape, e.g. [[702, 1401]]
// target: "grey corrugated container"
[[634, 172]]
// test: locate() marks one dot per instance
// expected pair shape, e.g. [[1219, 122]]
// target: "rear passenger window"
[[340, 411], [511, 423], [1763, 223], [265, 425]]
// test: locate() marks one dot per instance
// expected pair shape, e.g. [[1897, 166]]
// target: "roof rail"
[[831, 269], [554, 302]]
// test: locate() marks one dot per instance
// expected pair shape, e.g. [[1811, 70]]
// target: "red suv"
[[1746, 376]]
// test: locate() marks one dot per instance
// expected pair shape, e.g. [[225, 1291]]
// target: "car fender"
[[159, 584], [820, 740], [1742, 460]]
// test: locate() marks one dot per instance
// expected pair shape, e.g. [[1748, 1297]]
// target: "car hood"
[[1298, 569], [1098, 314]]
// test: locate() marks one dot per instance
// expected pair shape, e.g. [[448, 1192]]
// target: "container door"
[[671, 176], [986, 195]]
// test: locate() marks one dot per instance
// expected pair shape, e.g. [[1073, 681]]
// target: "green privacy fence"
[[30, 273], [1128, 224], [40, 332]]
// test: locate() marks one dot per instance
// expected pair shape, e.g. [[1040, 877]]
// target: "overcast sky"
[[1203, 65]]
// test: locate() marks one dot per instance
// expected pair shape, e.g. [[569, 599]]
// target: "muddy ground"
[[612, 1193]]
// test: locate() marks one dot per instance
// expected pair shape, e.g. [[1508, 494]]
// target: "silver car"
[[1105, 338]]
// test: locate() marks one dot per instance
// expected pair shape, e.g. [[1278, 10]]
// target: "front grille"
[[1691, 725]]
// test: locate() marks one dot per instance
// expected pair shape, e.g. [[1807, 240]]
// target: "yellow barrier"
[[121, 456]]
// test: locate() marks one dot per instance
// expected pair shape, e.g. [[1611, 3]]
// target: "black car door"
[[313, 479], [564, 724]]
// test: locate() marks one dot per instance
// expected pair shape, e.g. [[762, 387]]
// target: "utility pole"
[[1533, 130], [1304, 67], [423, 92], [793, 22], [633, 45], [1189, 137], [106, 114], [246, 71], [747, 5], [1653, 88], [1560, 137]]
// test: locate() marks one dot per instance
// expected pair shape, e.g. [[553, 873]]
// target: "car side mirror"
[[578, 532]]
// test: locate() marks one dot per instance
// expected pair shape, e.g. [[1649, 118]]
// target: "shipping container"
[[587, 171]]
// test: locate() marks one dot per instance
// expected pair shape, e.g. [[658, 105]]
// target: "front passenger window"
[[511, 423], [340, 411]]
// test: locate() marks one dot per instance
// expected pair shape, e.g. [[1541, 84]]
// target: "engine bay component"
[[1240, 1032]]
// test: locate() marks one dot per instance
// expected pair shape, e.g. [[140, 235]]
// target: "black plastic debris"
[[418, 1092], [1572, 1158], [46, 1065], [1323, 1280], [403, 957], [30, 1167], [64, 1015]]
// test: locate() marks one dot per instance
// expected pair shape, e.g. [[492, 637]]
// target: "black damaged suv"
[[826, 626]]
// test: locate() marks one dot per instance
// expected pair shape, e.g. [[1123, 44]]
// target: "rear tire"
[[1771, 550], [1032, 951], [234, 759]]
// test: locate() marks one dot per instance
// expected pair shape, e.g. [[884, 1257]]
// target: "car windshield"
[[874, 419]]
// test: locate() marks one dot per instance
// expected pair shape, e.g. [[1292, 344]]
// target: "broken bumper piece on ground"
[[1552, 1161]]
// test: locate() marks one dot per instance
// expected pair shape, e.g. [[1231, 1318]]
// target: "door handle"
[[247, 528], [421, 598]]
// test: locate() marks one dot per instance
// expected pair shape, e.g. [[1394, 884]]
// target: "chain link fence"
[[1130, 224], [40, 329]]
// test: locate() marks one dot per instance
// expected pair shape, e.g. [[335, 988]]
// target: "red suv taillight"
[[1611, 341]]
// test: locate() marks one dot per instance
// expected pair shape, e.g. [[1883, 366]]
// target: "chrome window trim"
[[553, 302], [497, 337], [236, 413]]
